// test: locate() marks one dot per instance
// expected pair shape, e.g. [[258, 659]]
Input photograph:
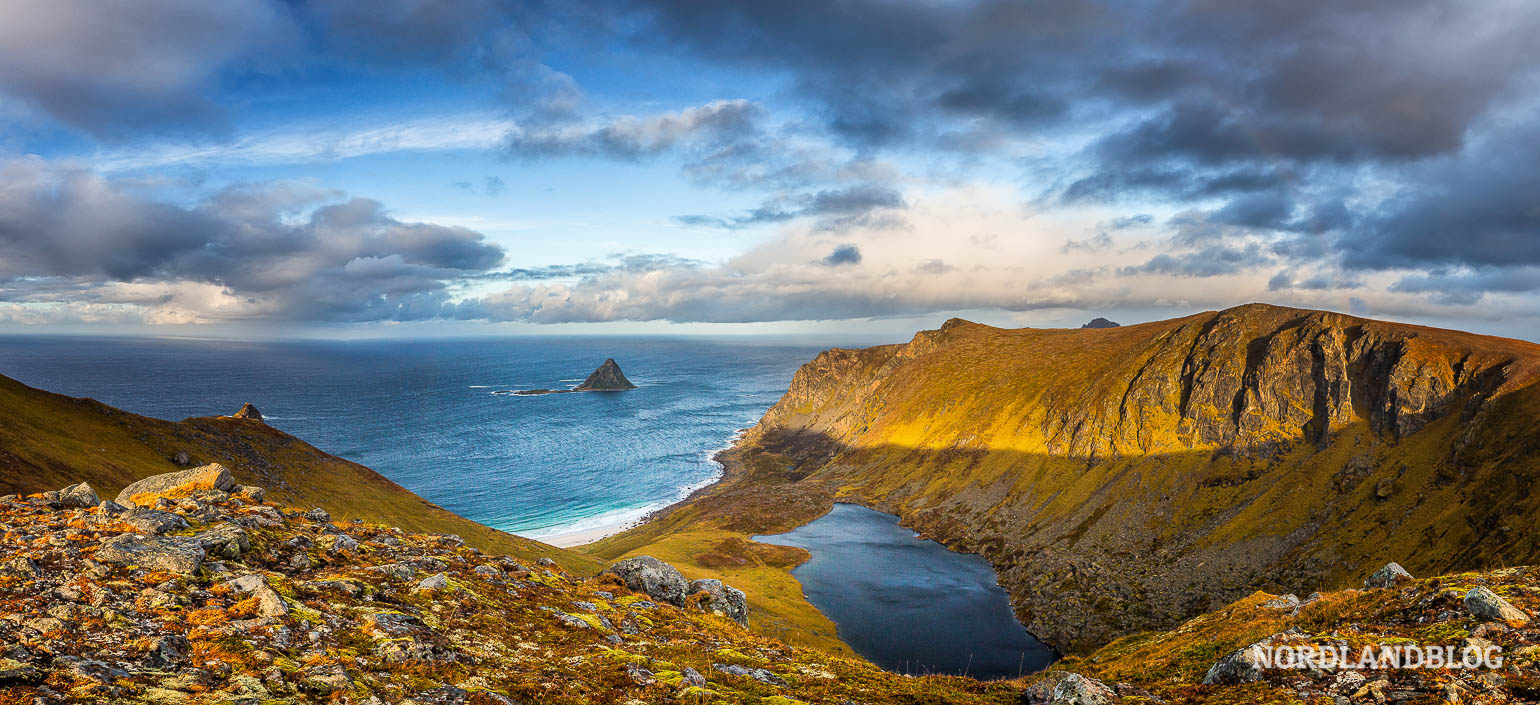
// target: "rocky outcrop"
[[268, 604], [664, 583], [1389, 576], [174, 485], [248, 411], [173, 554], [608, 378], [713, 596], [1099, 322], [1487, 605]]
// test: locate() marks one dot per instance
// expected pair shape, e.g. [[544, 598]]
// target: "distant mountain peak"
[[608, 378], [1100, 322]]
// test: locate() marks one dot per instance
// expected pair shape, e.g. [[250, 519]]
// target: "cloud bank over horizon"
[[260, 161]]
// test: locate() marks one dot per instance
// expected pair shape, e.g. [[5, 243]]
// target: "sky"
[[466, 167]]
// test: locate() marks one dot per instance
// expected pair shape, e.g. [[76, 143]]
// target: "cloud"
[[119, 69], [715, 124], [843, 255], [275, 250]]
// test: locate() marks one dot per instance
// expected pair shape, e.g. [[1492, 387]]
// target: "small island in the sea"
[[608, 378]]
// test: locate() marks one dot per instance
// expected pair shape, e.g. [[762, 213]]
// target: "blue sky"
[[398, 167]]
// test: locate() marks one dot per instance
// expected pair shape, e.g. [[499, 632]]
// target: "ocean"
[[423, 412]]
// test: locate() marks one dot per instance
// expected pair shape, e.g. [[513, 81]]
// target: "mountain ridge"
[[1124, 479]]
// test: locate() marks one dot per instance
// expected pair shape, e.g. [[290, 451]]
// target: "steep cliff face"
[[1254, 379], [1124, 479]]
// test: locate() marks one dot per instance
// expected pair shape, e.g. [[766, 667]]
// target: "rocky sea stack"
[[248, 411], [608, 378]]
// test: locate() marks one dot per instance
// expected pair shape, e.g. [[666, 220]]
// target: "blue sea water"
[[907, 604], [423, 414]]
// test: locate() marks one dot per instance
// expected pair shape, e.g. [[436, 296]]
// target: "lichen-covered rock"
[[1075, 689], [714, 597], [173, 554], [437, 581], [1389, 576], [249, 492], [1243, 665], [79, 496], [173, 485], [653, 578], [225, 541], [154, 521], [1487, 605], [318, 515]]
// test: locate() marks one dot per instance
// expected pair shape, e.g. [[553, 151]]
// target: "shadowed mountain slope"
[[1123, 479]]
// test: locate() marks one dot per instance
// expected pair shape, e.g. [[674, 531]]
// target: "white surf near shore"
[[599, 526]]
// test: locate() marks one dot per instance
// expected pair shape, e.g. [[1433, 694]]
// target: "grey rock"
[[437, 581], [326, 680], [653, 578], [1244, 665], [154, 521], [395, 624], [1075, 689], [442, 695], [488, 571], [1388, 576], [249, 492], [108, 507], [1487, 605], [693, 677], [399, 571], [758, 674], [225, 541], [172, 554], [1289, 602], [79, 496], [211, 476], [338, 543], [724, 600], [319, 516]]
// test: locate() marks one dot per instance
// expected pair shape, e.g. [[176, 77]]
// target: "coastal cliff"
[[1124, 479]]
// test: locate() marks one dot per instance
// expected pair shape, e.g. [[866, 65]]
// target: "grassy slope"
[[1125, 479], [48, 441]]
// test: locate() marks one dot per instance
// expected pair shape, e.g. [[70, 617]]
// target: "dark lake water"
[[909, 605]]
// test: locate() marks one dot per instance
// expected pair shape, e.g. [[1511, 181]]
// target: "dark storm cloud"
[[842, 255], [300, 252], [119, 69], [835, 209]]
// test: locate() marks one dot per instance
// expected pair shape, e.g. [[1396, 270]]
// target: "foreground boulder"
[[1389, 576], [1075, 689], [173, 554], [662, 582], [1487, 605], [173, 485], [653, 578], [714, 597], [79, 496], [1243, 665]]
